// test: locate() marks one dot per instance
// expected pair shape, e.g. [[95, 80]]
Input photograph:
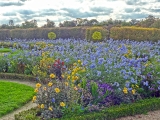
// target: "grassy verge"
[[13, 96]]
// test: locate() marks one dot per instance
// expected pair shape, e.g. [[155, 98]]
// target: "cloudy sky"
[[61, 10]]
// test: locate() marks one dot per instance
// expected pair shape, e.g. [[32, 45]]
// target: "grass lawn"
[[13, 96]]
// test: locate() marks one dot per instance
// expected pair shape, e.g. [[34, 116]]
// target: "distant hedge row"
[[135, 33], [132, 33]]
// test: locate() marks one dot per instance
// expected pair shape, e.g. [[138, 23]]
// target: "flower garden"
[[86, 80]]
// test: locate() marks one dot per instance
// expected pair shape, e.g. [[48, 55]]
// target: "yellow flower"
[[50, 84], [146, 64], [79, 61], [52, 75], [83, 70], [34, 98], [66, 83], [36, 90], [137, 86], [125, 90], [44, 88], [62, 76], [42, 106], [62, 104], [50, 108], [68, 77], [73, 73], [38, 85], [74, 64], [57, 90], [133, 91]]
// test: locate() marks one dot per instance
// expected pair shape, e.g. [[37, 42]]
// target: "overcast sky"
[[61, 10]]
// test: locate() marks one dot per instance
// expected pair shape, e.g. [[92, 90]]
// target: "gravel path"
[[153, 115]]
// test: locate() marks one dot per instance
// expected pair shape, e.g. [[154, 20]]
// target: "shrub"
[[97, 35], [51, 35]]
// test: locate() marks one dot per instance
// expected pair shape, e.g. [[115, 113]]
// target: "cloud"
[[9, 14], [26, 12], [135, 2], [130, 10], [134, 16], [102, 10], [76, 13], [5, 4], [154, 10]]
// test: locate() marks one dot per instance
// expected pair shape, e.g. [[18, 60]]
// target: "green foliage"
[[94, 88], [97, 35], [111, 113], [12, 96], [51, 35]]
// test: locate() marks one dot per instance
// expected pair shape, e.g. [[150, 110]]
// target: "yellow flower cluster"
[[52, 76], [34, 98], [62, 104], [57, 90], [38, 85], [42, 106], [50, 84], [128, 54], [125, 90]]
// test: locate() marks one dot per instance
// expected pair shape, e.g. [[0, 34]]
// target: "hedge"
[[39, 33], [111, 113], [135, 33], [13, 76]]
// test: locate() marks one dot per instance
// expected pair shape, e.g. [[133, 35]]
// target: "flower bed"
[[87, 77]]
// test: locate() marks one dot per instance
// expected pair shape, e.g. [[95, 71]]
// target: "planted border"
[[111, 113]]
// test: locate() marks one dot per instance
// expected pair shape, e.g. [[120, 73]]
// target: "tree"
[[29, 24], [49, 24], [11, 23], [93, 22], [69, 23], [4, 26]]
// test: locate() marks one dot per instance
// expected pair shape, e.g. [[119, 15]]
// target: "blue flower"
[[92, 65], [127, 84], [145, 83], [158, 82], [98, 73], [53, 100]]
